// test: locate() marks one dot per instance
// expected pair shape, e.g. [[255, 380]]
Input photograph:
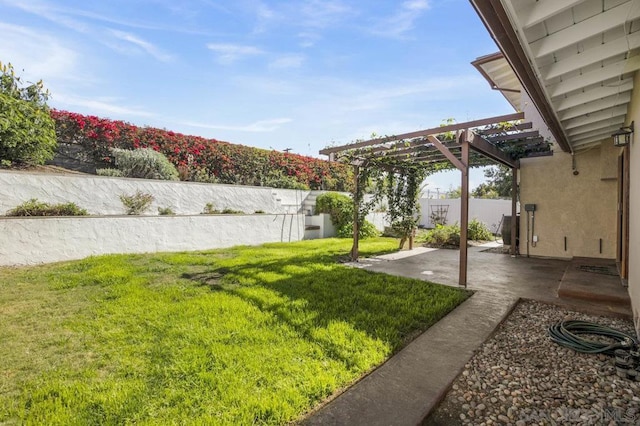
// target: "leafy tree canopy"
[[498, 183], [27, 132]]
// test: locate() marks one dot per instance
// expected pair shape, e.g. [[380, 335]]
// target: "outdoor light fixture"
[[624, 136]]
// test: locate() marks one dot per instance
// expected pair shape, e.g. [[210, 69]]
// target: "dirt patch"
[[211, 279]]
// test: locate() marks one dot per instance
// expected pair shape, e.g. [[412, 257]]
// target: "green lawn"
[[236, 336]]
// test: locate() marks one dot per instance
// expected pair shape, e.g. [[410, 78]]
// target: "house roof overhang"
[[500, 76], [575, 59]]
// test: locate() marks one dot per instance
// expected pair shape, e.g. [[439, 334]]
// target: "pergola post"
[[514, 212], [464, 209], [356, 212]]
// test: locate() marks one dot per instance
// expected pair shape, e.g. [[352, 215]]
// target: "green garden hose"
[[565, 333]]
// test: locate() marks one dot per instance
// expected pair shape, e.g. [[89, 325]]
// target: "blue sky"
[[265, 73]]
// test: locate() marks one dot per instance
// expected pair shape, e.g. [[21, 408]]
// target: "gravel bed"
[[519, 377]]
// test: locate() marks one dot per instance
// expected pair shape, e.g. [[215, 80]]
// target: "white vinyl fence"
[[488, 211]]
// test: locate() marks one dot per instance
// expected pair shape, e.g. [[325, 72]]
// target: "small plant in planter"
[[33, 207], [137, 203], [232, 211], [210, 208], [166, 211]]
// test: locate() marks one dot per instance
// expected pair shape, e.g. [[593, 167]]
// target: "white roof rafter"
[[593, 94], [583, 30], [574, 58], [599, 105]]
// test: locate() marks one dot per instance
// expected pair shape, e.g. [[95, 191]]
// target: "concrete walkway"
[[405, 389], [409, 385]]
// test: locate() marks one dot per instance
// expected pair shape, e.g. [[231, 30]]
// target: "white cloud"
[[308, 38], [229, 53], [434, 88], [416, 5], [50, 13], [100, 105], [322, 13], [146, 46], [403, 20], [63, 16], [260, 126], [287, 61], [264, 15], [39, 54]]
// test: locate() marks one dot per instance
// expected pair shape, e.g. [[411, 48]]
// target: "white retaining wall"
[[485, 210], [27, 241], [101, 195], [39, 240]]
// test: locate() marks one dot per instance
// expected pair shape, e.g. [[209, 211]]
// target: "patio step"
[[593, 279]]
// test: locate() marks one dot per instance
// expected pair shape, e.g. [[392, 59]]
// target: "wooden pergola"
[[476, 143]]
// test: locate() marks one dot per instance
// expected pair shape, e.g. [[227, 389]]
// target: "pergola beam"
[[445, 151], [426, 132], [513, 136], [482, 146], [521, 126]]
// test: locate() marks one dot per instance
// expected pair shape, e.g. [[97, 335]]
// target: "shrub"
[[478, 231], [277, 179], [137, 203], [33, 207], [367, 230], [166, 211], [231, 211], [444, 235], [144, 163], [210, 208], [109, 172], [338, 206], [449, 235], [259, 212], [27, 131]]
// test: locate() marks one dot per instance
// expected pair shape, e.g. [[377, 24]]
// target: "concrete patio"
[[407, 387]]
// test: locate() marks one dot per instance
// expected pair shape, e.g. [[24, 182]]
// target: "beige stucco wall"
[[634, 205], [580, 207]]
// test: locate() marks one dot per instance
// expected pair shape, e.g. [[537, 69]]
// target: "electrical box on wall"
[[530, 207]]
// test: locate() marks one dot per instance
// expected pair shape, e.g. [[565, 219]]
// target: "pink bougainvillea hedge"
[[198, 158]]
